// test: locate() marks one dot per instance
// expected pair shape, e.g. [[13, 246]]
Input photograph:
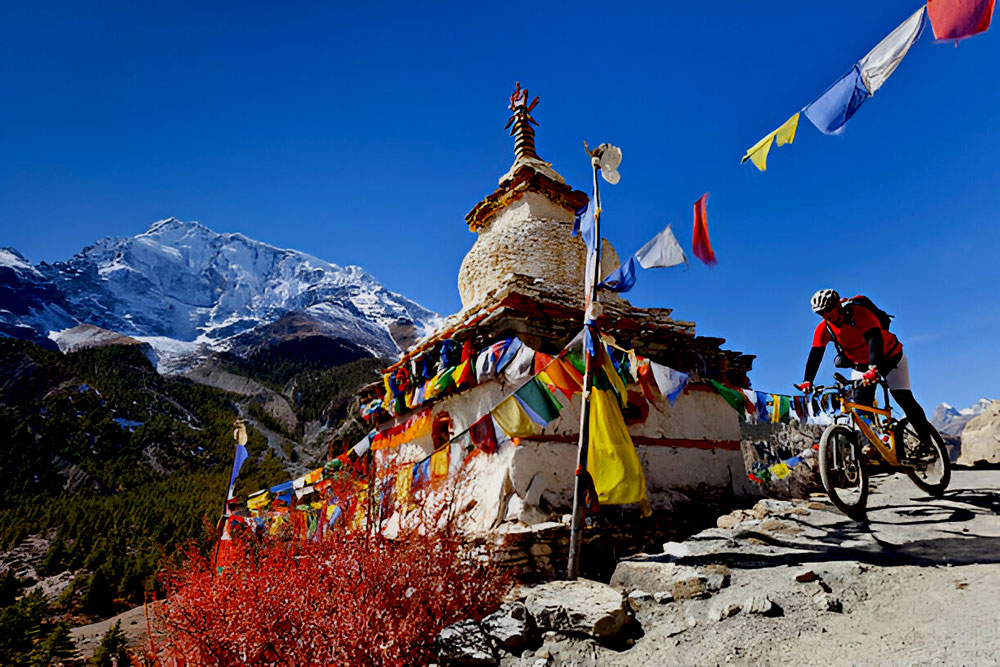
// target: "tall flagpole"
[[590, 299]]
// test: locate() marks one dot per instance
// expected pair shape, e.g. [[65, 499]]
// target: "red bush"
[[350, 599]]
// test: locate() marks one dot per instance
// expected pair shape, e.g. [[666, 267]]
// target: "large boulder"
[[464, 643], [578, 607], [981, 437], [510, 626]]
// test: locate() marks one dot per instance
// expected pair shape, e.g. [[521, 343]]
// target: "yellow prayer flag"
[[403, 482], [786, 133], [758, 152], [439, 462], [611, 457], [512, 418], [780, 470]]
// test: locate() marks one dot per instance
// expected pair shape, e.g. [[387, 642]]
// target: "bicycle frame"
[[854, 410]]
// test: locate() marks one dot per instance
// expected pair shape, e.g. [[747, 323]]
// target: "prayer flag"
[[240, 458], [403, 482], [457, 455], [421, 473], [786, 133], [439, 463], [699, 238], [512, 418], [734, 397], [483, 434], [584, 224], [621, 279], [611, 457], [883, 60], [563, 376], [508, 351], [958, 19], [661, 251], [536, 400], [831, 110], [670, 382], [463, 374], [758, 152], [780, 470]]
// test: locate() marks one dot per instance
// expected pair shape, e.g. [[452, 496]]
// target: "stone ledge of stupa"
[[546, 319], [525, 176]]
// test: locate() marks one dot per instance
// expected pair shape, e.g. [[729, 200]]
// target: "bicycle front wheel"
[[842, 469], [927, 462]]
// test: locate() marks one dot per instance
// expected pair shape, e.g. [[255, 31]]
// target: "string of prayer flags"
[[239, 459], [416, 426], [611, 457], [734, 397], [784, 134], [958, 19], [883, 60], [831, 110], [702, 247]]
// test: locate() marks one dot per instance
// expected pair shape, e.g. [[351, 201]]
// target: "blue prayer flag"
[[621, 279], [241, 457], [834, 108], [583, 223]]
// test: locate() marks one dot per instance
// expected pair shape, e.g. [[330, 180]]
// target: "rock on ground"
[[580, 607], [464, 643]]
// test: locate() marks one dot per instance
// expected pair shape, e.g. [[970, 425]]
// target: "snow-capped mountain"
[[180, 285], [949, 420]]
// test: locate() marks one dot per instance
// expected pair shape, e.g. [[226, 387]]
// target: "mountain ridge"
[[183, 288]]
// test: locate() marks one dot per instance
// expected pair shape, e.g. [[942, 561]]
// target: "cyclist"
[[870, 350]]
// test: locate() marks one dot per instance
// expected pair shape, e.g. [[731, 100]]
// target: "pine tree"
[[113, 645], [56, 647]]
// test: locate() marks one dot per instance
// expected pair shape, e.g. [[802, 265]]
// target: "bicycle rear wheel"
[[843, 471], [933, 472]]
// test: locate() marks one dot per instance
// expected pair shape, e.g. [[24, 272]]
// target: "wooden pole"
[[576, 527]]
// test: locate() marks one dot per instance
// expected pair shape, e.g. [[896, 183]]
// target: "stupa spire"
[[520, 126], [523, 133]]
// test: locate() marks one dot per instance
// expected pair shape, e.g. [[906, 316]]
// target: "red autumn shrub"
[[349, 599]]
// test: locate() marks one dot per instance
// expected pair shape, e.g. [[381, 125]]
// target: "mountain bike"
[[842, 459]]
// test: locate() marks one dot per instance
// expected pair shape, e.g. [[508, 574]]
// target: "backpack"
[[884, 318]]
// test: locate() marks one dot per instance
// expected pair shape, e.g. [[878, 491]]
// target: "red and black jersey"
[[850, 335]]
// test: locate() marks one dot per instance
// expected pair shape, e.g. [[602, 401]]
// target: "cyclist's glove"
[[805, 387], [871, 375]]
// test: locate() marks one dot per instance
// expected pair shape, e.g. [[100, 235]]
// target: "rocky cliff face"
[[981, 436]]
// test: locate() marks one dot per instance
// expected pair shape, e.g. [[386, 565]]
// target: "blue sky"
[[363, 135]]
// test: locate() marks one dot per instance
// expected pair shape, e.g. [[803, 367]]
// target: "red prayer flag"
[[699, 238], [483, 434], [467, 349], [958, 19]]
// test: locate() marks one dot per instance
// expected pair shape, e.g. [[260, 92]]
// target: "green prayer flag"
[[540, 400], [733, 397]]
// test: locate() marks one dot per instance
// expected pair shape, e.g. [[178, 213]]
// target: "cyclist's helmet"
[[824, 300]]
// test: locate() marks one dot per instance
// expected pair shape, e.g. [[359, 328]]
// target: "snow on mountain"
[[181, 282], [949, 420]]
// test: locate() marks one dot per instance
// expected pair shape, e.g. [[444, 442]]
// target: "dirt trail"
[[918, 585]]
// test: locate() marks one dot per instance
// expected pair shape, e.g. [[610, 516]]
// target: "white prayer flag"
[[884, 58], [662, 251]]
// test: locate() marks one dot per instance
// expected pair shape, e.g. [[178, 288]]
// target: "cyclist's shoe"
[[870, 453], [919, 455]]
